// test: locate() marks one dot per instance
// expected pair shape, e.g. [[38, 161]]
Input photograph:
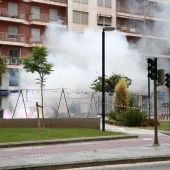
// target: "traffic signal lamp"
[[152, 68], [167, 80]]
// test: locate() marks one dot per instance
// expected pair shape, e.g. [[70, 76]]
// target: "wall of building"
[[93, 11]]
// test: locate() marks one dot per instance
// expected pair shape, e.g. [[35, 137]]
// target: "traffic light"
[[152, 68], [167, 80]]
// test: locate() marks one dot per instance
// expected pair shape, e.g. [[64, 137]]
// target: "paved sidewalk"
[[62, 156]]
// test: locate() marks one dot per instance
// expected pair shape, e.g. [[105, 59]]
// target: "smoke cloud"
[[77, 58]]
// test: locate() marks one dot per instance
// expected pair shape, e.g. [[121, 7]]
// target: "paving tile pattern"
[[18, 152]]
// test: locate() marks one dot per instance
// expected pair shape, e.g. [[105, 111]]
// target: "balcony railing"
[[148, 12], [36, 39], [131, 29], [12, 13], [13, 60], [47, 18], [46, 1], [60, 1], [140, 30], [12, 37]]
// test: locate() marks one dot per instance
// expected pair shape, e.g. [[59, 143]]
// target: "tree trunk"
[[42, 104]]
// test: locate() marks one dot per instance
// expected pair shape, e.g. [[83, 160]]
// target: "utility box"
[[161, 76], [1, 113]]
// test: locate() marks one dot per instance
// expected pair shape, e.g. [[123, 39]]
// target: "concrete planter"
[[91, 123]]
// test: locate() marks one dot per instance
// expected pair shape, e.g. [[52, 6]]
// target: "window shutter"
[[13, 9], [84, 1], [76, 17], [35, 10], [36, 34], [108, 21], [100, 2], [84, 18], [53, 14], [107, 3], [13, 32], [100, 20]]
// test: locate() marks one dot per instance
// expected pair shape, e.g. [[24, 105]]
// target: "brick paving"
[[143, 140]]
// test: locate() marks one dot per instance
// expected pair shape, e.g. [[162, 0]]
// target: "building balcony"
[[12, 39], [13, 60], [11, 15], [149, 33], [43, 19], [36, 40], [51, 2], [131, 29], [148, 13]]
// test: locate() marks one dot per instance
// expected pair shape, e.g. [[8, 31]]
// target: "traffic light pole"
[[149, 96], [156, 143], [169, 102]]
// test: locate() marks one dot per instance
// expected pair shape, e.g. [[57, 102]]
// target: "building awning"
[[8, 92]]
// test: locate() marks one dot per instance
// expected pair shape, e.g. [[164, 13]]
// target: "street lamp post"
[[103, 74]]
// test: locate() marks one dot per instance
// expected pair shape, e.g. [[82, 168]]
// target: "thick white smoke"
[[77, 58]]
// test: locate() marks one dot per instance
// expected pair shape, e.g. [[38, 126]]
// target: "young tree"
[[37, 62], [110, 82], [121, 95], [2, 67]]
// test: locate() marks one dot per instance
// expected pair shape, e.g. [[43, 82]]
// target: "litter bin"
[[1, 113]]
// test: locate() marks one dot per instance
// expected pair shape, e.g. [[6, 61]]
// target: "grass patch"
[[164, 125], [34, 134]]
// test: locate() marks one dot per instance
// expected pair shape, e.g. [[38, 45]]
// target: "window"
[[13, 77], [13, 53], [35, 34], [104, 21], [13, 32], [81, 1], [106, 3], [80, 17], [13, 10], [35, 11], [53, 15]]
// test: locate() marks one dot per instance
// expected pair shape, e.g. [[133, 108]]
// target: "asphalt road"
[[138, 166]]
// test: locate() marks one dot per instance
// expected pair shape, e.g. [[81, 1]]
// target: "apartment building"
[[145, 23], [22, 26]]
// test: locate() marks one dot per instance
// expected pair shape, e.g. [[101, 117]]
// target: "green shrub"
[[114, 118], [112, 115], [133, 117]]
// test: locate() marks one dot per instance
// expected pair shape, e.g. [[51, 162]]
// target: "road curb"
[[64, 141], [97, 162]]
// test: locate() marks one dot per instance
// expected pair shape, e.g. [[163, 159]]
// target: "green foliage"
[[121, 98], [128, 117], [114, 118], [133, 117], [2, 67], [37, 61], [110, 82]]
